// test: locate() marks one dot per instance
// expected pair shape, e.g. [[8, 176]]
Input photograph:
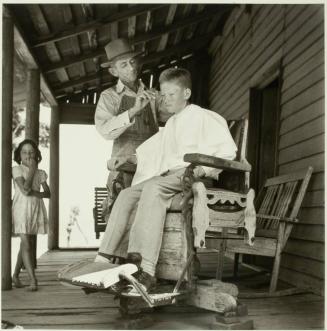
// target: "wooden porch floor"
[[56, 306]]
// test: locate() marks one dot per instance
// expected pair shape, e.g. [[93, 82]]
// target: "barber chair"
[[204, 210]]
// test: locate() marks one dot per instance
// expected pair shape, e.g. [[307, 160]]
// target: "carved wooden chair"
[[277, 206]]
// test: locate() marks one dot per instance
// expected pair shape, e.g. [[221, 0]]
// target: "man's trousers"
[[137, 219]]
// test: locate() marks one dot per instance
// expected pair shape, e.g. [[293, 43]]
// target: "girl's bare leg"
[[27, 259], [32, 239], [18, 267]]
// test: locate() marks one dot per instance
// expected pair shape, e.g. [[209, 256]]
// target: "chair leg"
[[219, 271], [275, 271], [221, 255], [236, 263]]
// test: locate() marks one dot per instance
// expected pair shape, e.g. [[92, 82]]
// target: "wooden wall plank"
[[312, 215], [312, 78], [308, 232], [304, 132], [237, 46], [317, 181], [310, 58], [307, 114], [229, 112], [304, 25], [316, 161], [306, 98], [292, 12], [300, 279], [305, 266], [296, 17], [263, 48], [304, 45], [314, 198], [232, 39], [303, 149], [311, 250]]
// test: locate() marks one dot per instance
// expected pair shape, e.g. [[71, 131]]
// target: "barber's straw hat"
[[117, 49]]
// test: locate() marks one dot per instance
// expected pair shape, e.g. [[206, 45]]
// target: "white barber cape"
[[193, 130]]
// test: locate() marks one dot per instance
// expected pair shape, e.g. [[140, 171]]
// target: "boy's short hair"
[[179, 75]]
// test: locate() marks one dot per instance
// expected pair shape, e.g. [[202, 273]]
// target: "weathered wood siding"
[[251, 40]]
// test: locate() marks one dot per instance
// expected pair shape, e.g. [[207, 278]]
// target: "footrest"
[[153, 299], [105, 278]]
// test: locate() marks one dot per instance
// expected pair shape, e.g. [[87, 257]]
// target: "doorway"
[[263, 132], [264, 116]]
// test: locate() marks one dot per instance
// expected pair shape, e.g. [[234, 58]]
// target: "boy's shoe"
[[146, 281], [134, 258]]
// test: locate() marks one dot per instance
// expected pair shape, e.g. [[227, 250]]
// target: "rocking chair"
[[277, 205]]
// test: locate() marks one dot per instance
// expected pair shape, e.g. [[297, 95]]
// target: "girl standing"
[[28, 210]]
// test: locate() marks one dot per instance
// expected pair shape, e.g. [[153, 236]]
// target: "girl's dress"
[[29, 215]]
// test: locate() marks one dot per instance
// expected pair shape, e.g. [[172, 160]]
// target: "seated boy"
[[135, 227]]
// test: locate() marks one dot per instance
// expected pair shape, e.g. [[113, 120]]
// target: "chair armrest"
[[277, 218], [216, 162], [127, 167]]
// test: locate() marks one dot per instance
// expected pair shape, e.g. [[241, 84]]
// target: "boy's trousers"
[[142, 233]]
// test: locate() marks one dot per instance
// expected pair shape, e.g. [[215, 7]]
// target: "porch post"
[[32, 122], [33, 104], [7, 102], [53, 236]]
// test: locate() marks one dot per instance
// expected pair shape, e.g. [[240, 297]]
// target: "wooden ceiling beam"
[[114, 25], [182, 49], [25, 54], [148, 27], [41, 26], [187, 46], [74, 60], [190, 30], [131, 26], [186, 12], [95, 24], [158, 32], [69, 19], [89, 89], [148, 21], [92, 36], [169, 20], [83, 80], [144, 37]]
